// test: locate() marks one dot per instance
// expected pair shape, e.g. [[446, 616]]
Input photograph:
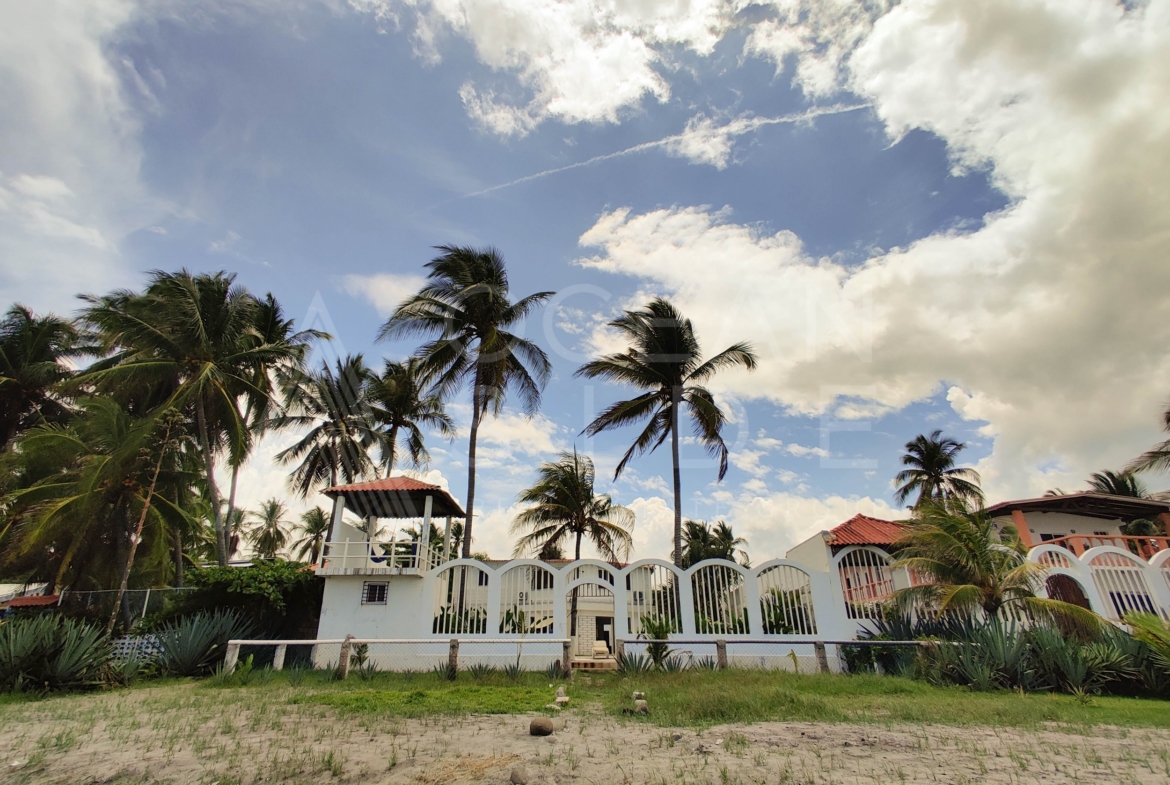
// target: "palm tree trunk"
[[212, 490], [475, 417], [178, 541], [138, 532], [675, 401], [573, 609], [393, 439]]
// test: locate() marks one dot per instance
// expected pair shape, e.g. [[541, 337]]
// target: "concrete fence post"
[[567, 657], [278, 657], [619, 649], [453, 655], [343, 657], [721, 654], [231, 657], [822, 656]]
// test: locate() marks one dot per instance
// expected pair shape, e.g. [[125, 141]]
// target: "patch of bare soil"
[[238, 737]]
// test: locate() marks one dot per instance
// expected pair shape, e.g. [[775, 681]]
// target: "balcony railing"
[[1145, 547], [362, 557]]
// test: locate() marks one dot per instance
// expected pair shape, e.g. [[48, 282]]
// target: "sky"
[[932, 214]]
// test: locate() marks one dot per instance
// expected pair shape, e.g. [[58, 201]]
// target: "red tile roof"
[[863, 530], [396, 497], [35, 601], [386, 484]]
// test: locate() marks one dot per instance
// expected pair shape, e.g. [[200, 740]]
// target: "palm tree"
[[314, 527], [932, 472], [191, 342], [466, 313], [664, 359], [269, 534], [109, 489], [969, 566], [702, 541], [271, 328], [1119, 484], [34, 354], [333, 404], [563, 504], [1157, 458], [401, 404]]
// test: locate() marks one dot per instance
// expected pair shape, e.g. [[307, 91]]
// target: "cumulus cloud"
[[1048, 322], [575, 61], [69, 152], [385, 291]]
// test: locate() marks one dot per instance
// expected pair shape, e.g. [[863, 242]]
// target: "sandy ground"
[[228, 737]]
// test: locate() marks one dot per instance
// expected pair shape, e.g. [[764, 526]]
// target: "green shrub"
[[47, 653], [281, 599]]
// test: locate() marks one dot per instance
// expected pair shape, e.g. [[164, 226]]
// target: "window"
[[639, 598], [541, 579], [483, 576], [1047, 537], [374, 593], [1101, 534]]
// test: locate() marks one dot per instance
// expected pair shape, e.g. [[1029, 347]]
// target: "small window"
[[1100, 534], [639, 598], [374, 593], [1048, 537], [483, 576]]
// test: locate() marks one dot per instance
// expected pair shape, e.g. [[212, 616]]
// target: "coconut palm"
[[269, 534], [1157, 458], [106, 487], [192, 342], [402, 405], [968, 566], [333, 403], [313, 529], [465, 311], [260, 399], [34, 355], [702, 541], [664, 360], [932, 474], [563, 505]]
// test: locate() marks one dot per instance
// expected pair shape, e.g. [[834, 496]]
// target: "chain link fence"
[[136, 604]]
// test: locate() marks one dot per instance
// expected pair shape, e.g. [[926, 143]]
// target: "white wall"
[[1061, 523]]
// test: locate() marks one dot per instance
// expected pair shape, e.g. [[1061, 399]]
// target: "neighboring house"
[[1077, 521], [859, 550], [28, 601]]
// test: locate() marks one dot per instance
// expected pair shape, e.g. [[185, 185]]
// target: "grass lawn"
[[734, 727], [704, 698]]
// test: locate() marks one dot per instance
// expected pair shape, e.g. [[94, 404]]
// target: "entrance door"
[[1063, 588], [605, 631]]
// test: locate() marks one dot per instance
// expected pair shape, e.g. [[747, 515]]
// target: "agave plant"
[[52, 653], [632, 663], [193, 645]]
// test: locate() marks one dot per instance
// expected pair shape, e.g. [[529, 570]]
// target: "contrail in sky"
[[705, 130]]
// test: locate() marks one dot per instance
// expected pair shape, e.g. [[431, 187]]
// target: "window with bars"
[[374, 593]]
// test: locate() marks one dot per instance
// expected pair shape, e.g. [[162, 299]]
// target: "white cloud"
[[1049, 319], [800, 451], [69, 152], [385, 291], [572, 60], [749, 461]]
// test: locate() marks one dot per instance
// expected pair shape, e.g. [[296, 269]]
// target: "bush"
[[194, 645], [46, 653], [280, 599], [994, 654]]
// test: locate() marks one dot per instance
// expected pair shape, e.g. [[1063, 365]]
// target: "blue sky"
[[928, 215]]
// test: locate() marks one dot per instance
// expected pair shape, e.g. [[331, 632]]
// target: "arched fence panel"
[[460, 604], [1120, 579], [786, 602], [719, 591], [652, 597], [527, 601], [867, 581]]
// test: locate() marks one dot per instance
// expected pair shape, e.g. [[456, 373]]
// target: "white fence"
[[778, 601]]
